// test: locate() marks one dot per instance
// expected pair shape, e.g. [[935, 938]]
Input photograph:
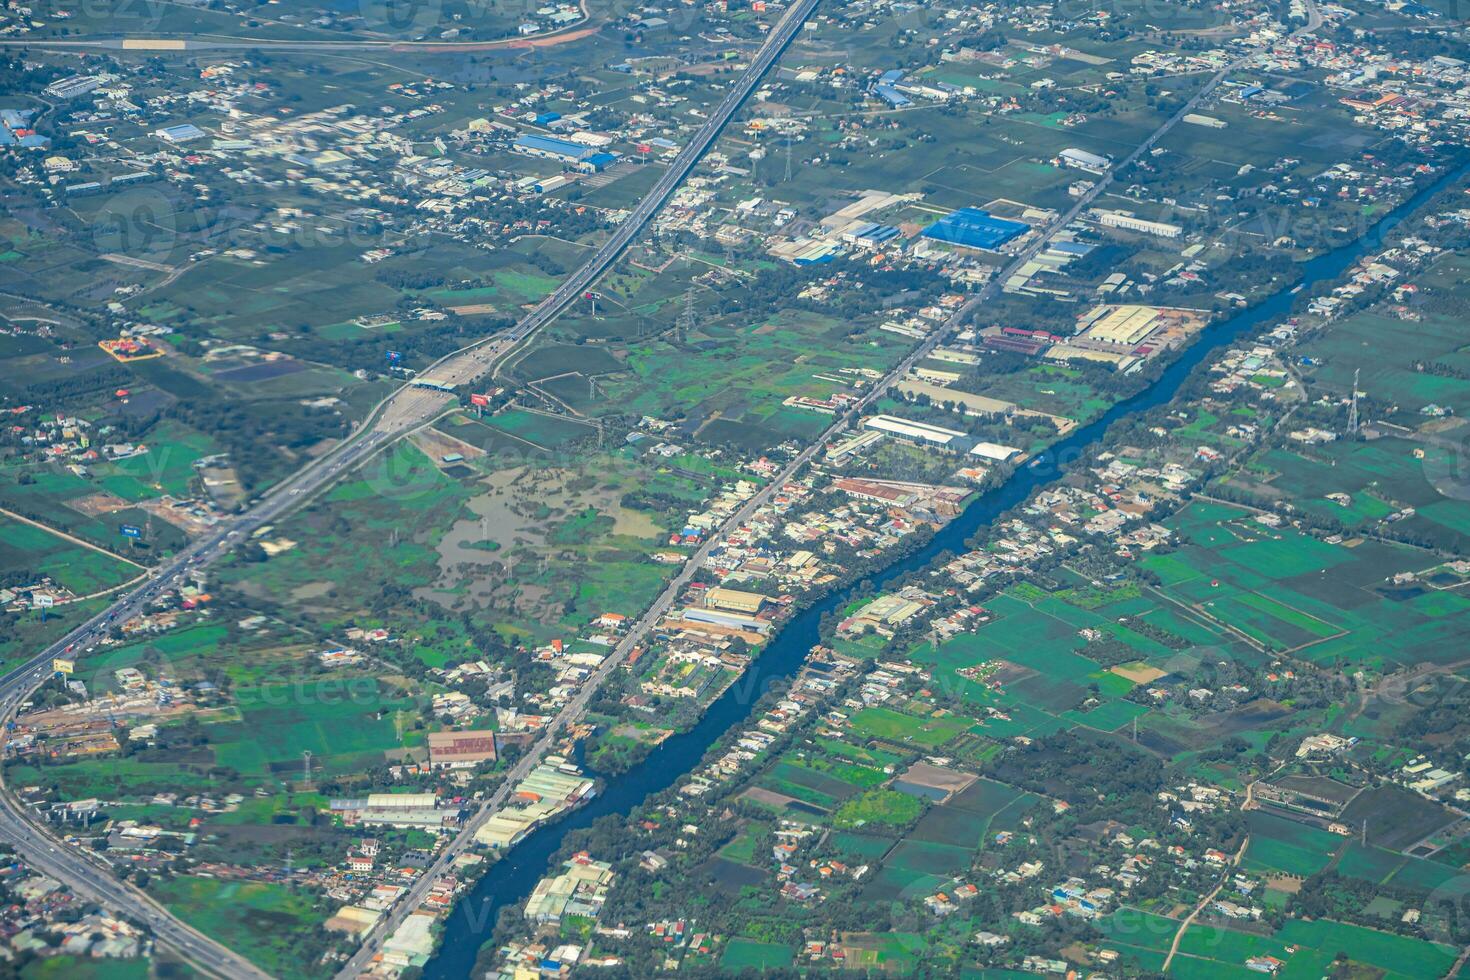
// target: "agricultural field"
[[724, 381], [1281, 591]]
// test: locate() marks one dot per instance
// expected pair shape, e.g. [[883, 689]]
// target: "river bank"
[[510, 879]]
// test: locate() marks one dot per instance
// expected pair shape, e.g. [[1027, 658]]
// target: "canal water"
[[511, 879]]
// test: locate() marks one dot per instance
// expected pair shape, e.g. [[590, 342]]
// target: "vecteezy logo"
[[1445, 463], [133, 15], [1424, 690], [1447, 907], [401, 477], [407, 19], [137, 224]]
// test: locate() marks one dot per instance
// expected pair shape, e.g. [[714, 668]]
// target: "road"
[[401, 413], [212, 42], [405, 410], [574, 709], [775, 43]]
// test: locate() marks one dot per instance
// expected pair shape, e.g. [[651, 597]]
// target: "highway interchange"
[[404, 411]]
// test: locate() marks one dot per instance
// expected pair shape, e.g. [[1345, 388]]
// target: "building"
[[461, 750], [913, 431], [1126, 221], [546, 792], [994, 451], [870, 235], [580, 890], [1210, 122], [975, 228], [597, 162], [1126, 326], [73, 86], [396, 810], [182, 133], [734, 600], [551, 148], [1082, 160]]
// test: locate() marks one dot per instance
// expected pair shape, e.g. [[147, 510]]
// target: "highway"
[[402, 412], [639, 632], [584, 277], [405, 410]]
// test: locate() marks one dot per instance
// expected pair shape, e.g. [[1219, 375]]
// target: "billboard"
[[61, 666], [480, 400], [131, 531]]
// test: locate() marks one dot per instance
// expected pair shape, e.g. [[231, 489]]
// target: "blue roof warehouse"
[[551, 148], [975, 228]]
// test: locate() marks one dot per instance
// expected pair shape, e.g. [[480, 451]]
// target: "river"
[[511, 879]]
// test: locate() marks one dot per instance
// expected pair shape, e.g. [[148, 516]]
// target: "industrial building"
[[1082, 160], [734, 600], [994, 451], [975, 228], [581, 890], [546, 792], [461, 750], [870, 235], [1209, 122], [182, 133], [1126, 326], [551, 148], [73, 86], [913, 431], [419, 810], [1127, 221], [585, 158]]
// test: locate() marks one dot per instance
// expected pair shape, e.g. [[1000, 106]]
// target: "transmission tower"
[[306, 767], [686, 316], [1353, 411]]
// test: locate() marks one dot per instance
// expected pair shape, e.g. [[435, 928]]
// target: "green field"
[[26, 549], [268, 924], [748, 954]]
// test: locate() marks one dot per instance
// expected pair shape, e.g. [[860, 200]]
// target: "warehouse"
[[912, 431], [461, 750], [734, 600], [182, 133], [551, 148], [870, 235], [994, 451], [975, 228], [1128, 222], [1082, 160], [1210, 122], [1126, 326]]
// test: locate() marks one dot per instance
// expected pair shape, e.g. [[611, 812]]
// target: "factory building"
[[1082, 160], [975, 228], [1128, 222]]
